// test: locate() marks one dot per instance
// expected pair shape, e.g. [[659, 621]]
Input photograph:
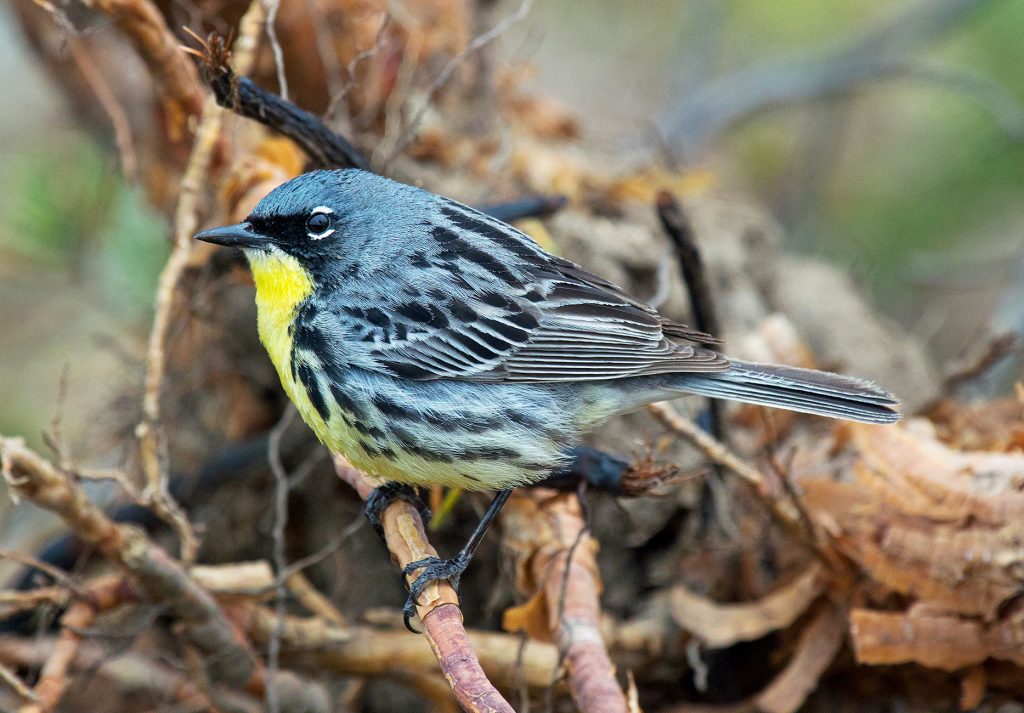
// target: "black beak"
[[239, 235]]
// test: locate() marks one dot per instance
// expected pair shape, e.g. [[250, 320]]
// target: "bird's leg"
[[383, 495], [435, 568]]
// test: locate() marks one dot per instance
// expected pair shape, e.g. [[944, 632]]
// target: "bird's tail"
[[805, 390]]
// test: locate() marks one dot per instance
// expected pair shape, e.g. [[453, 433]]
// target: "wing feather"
[[496, 307]]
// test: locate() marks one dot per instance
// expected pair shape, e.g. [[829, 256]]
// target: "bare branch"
[[558, 570], [438, 606]]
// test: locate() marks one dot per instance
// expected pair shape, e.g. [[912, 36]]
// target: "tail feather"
[[805, 390]]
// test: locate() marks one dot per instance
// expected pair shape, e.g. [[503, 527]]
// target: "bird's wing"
[[496, 307]]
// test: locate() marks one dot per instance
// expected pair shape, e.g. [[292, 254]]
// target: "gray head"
[[332, 222]]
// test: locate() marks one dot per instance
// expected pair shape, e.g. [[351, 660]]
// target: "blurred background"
[[884, 136]]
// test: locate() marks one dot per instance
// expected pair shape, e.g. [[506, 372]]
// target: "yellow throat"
[[281, 286]]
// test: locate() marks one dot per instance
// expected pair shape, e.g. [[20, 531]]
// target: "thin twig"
[[271, 7], [20, 687], [150, 431], [115, 111], [719, 453], [55, 573], [280, 560], [353, 66], [53, 680], [175, 77], [978, 362]]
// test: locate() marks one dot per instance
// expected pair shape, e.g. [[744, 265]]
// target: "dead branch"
[[53, 680], [113, 108], [137, 673], [557, 569], [21, 688], [104, 594], [722, 625], [719, 453], [325, 148], [319, 646], [229, 656], [438, 605]]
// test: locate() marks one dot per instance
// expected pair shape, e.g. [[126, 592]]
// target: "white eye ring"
[[321, 210]]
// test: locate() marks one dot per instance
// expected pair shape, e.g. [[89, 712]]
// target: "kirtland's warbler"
[[433, 345]]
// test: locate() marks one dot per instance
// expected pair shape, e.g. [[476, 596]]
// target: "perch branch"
[[438, 606]]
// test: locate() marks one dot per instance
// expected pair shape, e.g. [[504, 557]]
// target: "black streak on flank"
[[309, 339], [408, 442], [375, 452], [488, 453], [312, 386], [371, 431], [452, 421], [347, 404]]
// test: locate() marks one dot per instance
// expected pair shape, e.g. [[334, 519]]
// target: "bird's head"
[[327, 223]]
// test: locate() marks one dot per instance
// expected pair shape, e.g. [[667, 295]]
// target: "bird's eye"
[[318, 224]]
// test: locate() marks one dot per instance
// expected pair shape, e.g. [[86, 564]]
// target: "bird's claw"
[[434, 569], [385, 494]]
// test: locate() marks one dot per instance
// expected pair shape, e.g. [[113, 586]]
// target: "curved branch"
[[558, 567], [438, 606]]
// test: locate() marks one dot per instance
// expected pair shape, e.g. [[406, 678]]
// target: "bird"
[[431, 344]]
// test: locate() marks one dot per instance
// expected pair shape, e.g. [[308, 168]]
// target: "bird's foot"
[[433, 569], [384, 495]]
